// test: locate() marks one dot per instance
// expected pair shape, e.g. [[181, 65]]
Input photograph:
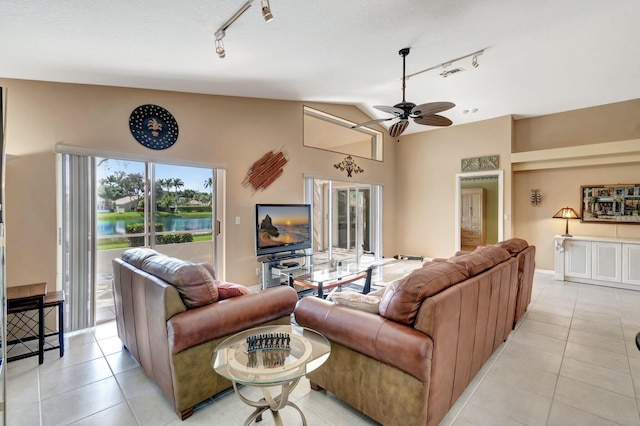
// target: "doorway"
[[347, 218], [491, 184]]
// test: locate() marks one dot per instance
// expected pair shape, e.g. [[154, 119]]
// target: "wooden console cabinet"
[[613, 262]]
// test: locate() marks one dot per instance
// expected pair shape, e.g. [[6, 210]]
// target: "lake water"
[[171, 224]]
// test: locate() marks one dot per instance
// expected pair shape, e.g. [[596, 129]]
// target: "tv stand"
[[273, 264]]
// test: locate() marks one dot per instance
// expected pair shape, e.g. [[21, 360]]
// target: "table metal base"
[[270, 402]]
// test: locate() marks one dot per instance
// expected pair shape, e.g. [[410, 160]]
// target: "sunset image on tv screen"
[[279, 225]]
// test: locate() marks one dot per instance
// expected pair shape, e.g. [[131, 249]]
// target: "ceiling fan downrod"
[[404, 52]]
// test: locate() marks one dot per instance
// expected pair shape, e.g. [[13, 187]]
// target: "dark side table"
[[22, 327]]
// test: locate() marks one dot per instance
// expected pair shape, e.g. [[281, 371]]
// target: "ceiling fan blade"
[[433, 120], [396, 129], [389, 109], [366, 123], [431, 108]]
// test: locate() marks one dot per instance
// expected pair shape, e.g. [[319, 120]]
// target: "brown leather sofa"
[[526, 256], [435, 329], [170, 317]]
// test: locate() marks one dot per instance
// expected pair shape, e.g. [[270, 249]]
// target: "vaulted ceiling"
[[540, 57]]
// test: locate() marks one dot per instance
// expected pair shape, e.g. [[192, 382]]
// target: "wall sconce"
[[566, 213], [536, 199]]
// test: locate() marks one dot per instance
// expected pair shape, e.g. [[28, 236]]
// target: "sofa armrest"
[[373, 335], [228, 316]]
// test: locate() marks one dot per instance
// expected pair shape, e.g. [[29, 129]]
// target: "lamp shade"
[[566, 213]]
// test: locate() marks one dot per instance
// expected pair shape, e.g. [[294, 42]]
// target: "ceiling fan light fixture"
[[266, 10], [425, 114]]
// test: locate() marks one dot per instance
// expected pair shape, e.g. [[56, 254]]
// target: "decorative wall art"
[[265, 171], [349, 165], [489, 162], [153, 127], [618, 203]]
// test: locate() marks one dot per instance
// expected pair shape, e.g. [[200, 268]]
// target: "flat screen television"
[[282, 228]]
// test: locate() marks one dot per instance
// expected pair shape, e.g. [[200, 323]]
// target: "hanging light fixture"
[[266, 10]]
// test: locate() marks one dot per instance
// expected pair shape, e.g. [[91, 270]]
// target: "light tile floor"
[[571, 361]]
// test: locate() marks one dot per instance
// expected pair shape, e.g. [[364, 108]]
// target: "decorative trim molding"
[[618, 152], [488, 162]]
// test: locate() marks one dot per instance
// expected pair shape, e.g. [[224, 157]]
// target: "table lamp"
[[566, 213]]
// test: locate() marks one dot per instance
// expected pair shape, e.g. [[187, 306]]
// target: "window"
[[328, 132]]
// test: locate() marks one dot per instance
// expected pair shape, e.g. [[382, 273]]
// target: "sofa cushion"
[[513, 245], [481, 259], [402, 299], [473, 263], [136, 256], [209, 267], [495, 253], [193, 281], [228, 290]]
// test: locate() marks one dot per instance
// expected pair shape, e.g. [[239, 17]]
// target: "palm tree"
[[208, 183], [177, 183]]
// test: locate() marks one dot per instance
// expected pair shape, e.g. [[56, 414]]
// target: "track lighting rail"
[[444, 65]]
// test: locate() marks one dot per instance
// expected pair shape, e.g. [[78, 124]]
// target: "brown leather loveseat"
[[170, 317], [435, 329]]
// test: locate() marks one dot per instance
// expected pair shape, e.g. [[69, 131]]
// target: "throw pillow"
[[228, 290], [362, 302]]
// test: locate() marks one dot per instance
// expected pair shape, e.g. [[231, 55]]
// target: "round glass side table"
[[270, 356]]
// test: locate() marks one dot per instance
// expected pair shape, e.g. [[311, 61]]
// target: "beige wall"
[[560, 187], [228, 131], [427, 164], [418, 172]]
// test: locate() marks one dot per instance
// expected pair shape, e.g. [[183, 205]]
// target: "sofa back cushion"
[[402, 299], [193, 281], [136, 256], [480, 260], [513, 245]]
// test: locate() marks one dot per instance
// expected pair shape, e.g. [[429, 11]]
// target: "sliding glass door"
[[140, 204], [347, 217], [119, 204]]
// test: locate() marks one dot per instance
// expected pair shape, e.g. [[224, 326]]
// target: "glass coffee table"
[[325, 276], [270, 356]]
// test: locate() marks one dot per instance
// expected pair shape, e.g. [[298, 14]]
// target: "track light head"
[[266, 10], [220, 49], [474, 61]]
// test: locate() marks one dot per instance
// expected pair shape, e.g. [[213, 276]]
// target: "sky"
[[193, 177]]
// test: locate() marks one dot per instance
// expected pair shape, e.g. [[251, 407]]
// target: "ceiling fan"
[[426, 114]]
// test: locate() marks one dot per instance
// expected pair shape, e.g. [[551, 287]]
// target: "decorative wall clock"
[[153, 126]]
